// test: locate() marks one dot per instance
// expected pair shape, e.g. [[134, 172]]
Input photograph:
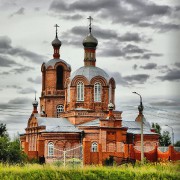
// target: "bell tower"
[[54, 74]]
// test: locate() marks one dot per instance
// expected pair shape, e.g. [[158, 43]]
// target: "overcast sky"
[[138, 44]]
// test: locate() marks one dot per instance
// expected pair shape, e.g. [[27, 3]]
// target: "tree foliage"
[[10, 151], [177, 144], [164, 138]]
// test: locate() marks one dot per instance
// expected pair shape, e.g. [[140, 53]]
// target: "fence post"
[[64, 154]]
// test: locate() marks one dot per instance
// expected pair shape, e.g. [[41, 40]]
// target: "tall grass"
[[45, 172]]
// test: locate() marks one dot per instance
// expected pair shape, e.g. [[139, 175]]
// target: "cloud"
[[26, 91], [177, 64], [149, 66], [6, 62], [22, 69], [14, 86], [20, 100], [130, 80], [37, 80], [137, 78], [18, 12], [129, 52], [135, 66], [165, 103], [172, 75], [107, 34], [7, 49], [72, 17], [127, 12]]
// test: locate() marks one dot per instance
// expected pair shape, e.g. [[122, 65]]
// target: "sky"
[[138, 45]]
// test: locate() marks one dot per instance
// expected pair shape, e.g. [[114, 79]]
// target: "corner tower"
[[54, 74]]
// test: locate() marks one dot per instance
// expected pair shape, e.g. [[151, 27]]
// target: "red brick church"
[[79, 109]]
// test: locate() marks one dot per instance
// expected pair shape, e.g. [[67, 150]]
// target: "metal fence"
[[69, 157]]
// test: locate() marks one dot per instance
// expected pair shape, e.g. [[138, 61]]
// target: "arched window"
[[50, 149], [60, 108], [110, 93], [97, 92], [80, 91], [68, 93], [94, 147], [59, 78]]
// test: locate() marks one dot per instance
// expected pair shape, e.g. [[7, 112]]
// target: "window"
[[50, 149], [94, 147], [68, 93], [60, 108], [59, 78], [97, 92], [80, 91], [110, 93]]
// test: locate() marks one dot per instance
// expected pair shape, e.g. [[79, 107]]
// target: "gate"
[[70, 156]]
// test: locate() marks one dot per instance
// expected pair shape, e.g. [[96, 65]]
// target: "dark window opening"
[[59, 80]]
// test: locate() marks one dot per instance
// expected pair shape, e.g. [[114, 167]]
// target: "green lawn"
[[34, 171]]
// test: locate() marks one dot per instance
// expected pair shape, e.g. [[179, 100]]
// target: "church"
[[77, 113]]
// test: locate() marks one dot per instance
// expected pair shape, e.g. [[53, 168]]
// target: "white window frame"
[[94, 147], [80, 91], [50, 149], [60, 108], [97, 92]]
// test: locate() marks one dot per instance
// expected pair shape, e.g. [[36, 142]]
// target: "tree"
[[10, 150], [177, 144], [164, 138]]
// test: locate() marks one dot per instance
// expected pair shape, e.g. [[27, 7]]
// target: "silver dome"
[[90, 41], [53, 62], [56, 42], [90, 72], [35, 103]]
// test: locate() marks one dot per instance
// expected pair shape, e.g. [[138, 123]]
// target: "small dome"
[[34, 103], [56, 42], [90, 72], [90, 41], [110, 106]]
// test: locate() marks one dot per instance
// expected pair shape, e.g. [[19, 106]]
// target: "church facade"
[[78, 109]]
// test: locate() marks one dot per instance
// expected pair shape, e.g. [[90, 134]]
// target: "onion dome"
[[56, 42], [90, 41], [35, 103], [110, 106]]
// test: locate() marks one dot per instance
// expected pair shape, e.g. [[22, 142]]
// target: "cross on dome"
[[56, 26], [90, 22]]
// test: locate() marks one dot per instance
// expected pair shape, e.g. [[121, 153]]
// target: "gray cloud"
[[6, 62], [172, 75], [26, 91], [129, 52], [37, 80], [7, 49], [165, 103], [72, 17], [107, 34], [177, 64], [149, 66], [135, 66], [140, 13], [18, 12], [129, 81], [14, 86], [20, 100], [137, 78], [22, 69]]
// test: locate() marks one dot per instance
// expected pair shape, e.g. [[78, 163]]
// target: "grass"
[[34, 171]]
